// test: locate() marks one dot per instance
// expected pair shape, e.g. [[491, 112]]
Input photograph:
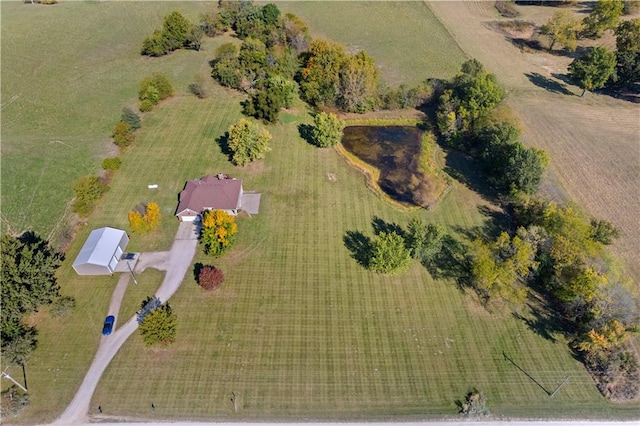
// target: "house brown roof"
[[210, 193]]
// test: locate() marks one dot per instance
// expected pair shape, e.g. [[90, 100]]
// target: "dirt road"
[[594, 141], [175, 263]]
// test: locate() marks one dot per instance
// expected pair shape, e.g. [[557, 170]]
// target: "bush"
[[197, 89], [111, 164], [210, 277], [146, 106], [123, 135], [88, 191], [159, 326], [264, 106], [155, 88], [131, 118]]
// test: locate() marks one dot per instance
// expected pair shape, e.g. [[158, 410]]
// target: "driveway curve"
[[176, 264]]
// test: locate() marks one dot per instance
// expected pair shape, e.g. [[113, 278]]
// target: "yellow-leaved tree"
[[218, 231], [147, 222]]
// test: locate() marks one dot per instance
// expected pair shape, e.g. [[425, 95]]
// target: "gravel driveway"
[[175, 262]]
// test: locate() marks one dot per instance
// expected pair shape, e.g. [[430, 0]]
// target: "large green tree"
[[424, 240], [247, 142], [604, 16], [159, 326], [593, 69], [389, 254], [628, 52], [327, 129], [320, 75], [29, 266], [359, 80], [562, 28]]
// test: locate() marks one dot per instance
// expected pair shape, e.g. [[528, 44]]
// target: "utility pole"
[[4, 374], [234, 399], [566, 380]]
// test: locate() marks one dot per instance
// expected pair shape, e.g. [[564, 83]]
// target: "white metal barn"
[[101, 252]]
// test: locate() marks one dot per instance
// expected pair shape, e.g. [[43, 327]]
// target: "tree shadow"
[[548, 84], [306, 133], [466, 170], [380, 225], [359, 245], [196, 270], [451, 263], [223, 143], [544, 320]]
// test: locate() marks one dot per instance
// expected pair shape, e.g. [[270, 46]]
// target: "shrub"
[[159, 326], [131, 118], [122, 134], [88, 191], [264, 106], [111, 164], [146, 106], [474, 405], [210, 277], [155, 88], [197, 89]]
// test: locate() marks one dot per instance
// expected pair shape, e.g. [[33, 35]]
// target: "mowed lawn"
[[298, 330]]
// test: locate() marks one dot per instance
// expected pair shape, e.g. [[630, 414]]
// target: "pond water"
[[395, 151]]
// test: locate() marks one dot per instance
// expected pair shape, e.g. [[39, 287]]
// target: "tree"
[[196, 35], [604, 16], [500, 268], [218, 232], [319, 78], [562, 28], [247, 142], [425, 241], [145, 221], [155, 88], [327, 129], [628, 52], [88, 191], [155, 45], [210, 277], [270, 14], [358, 84], [286, 90], [389, 254], [592, 70], [176, 29], [603, 232], [264, 105], [159, 326], [28, 277]]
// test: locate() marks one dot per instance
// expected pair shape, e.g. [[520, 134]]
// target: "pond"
[[395, 152]]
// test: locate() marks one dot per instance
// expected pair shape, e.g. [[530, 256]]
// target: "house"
[[209, 193], [101, 252]]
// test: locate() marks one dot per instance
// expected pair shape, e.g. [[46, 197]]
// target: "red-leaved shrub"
[[210, 277]]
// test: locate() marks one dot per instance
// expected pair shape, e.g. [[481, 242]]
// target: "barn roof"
[[100, 247]]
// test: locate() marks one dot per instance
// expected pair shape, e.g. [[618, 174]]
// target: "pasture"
[[298, 329]]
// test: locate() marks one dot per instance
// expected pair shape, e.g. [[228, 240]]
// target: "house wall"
[[91, 269]]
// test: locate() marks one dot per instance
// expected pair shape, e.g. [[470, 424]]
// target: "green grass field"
[[406, 39], [298, 330]]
